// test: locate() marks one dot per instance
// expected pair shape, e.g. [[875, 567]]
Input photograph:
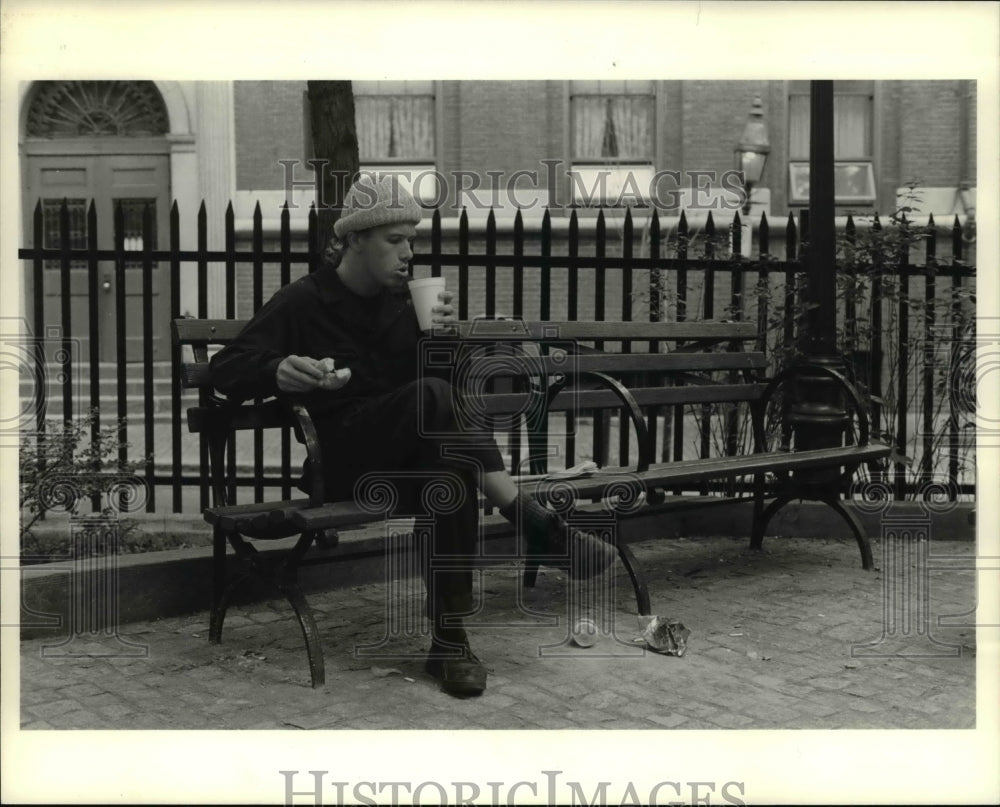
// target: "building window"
[[853, 142], [396, 123], [613, 132]]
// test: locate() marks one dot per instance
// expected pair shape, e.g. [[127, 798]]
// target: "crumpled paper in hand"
[[667, 636]]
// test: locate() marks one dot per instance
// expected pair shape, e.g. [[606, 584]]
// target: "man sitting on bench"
[[344, 341]]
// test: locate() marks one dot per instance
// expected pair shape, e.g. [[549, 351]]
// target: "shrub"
[[76, 467]]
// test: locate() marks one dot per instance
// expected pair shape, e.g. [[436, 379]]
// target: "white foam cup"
[[424, 292]]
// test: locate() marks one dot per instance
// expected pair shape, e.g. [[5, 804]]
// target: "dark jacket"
[[318, 316]]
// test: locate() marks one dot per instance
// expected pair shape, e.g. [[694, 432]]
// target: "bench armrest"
[[628, 402], [220, 419], [314, 463]]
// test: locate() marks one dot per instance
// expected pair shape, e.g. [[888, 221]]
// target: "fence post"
[[545, 312], [93, 329], [202, 283], [602, 425], [763, 280], [902, 379], [177, 484], [626, 346], [285, 247], [258, 301], [463, 266], [956, 336], [65, 315], [120, 348], [656, 315], [148, 244], [708, 313], [491, 267], [435, 243], [930, 320], [682, 256], [573, 286]]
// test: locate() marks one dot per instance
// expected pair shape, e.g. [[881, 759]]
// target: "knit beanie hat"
[[370, 204]]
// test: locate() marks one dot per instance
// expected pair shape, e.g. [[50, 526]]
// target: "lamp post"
[[752, 150], [818, 413]]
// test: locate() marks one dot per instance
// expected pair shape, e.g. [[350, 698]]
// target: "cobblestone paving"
[[770, 647]]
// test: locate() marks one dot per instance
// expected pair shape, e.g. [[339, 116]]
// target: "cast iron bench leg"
[[294, 595], [631, 566], [637, 578], [856, 527], [220, 607], [760, 521], [221, 590]]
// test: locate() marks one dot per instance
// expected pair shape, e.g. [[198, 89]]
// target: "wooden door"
[[134, 181]]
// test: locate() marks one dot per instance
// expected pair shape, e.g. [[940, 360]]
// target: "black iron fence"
[[98, 335]]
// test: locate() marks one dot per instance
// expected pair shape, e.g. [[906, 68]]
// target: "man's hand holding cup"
[[444, 313], [432, 304]]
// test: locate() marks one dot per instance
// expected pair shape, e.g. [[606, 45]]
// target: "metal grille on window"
[[77, 210], [132, 215], [96, 109]]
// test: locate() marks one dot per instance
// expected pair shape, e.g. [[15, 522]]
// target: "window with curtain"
[[612, 131], [853, 142], [395, 121], [612, 121]]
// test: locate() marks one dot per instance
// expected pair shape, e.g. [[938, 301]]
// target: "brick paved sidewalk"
[[770, 647]]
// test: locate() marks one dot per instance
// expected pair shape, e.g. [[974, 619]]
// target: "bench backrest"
[[594, 353], [691, 343]]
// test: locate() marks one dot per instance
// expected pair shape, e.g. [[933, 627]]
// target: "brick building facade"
[[669, 144], [922, 131], [489, 133]]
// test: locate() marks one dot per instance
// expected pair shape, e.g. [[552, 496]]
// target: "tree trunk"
[[335, 147]]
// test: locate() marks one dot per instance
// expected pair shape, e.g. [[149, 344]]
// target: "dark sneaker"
[[458, 670]]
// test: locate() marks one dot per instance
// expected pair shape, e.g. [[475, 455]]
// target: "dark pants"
[[410, 437]]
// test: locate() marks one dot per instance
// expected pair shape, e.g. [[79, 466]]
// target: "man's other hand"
[[303, 374]]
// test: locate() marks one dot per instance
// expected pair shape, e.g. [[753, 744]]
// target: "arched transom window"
[[97, 109]]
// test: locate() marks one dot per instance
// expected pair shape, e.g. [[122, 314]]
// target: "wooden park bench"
[[526, 371]]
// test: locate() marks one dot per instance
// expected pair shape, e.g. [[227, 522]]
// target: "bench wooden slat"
[[255, 518], [612, 363], [252, 508], [210, 331], [222, 331], [267, 415], [507, 403], [344, 513], [662, 474], [198, 375], [669, 362], [276, 519], [514, 330], [336, 514]]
